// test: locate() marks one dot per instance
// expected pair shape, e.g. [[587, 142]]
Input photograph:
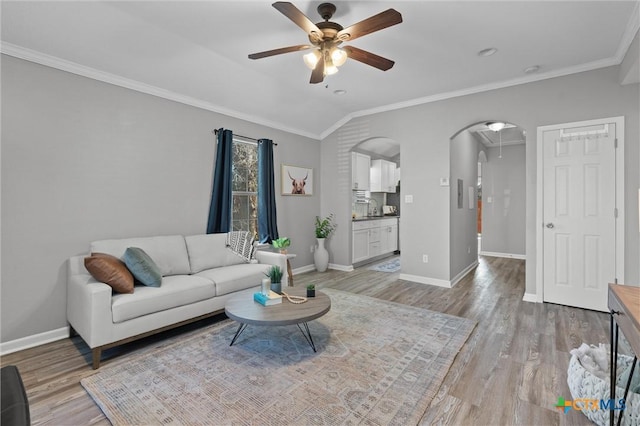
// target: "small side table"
[[624, 308], [289, 272]]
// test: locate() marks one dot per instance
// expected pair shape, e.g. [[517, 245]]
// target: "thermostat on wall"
[[444, 181]]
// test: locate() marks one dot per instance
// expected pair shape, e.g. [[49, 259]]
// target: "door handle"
[[550, 225]]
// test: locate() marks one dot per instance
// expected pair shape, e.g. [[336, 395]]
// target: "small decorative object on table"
[[311, 290], [266, 286], [281, 244], [275, 274], [324, 228], [272, 298]]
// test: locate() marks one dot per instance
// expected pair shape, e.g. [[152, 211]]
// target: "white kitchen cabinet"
[[374, 239], [388, 235], [360, 240], [371, 238], [360, 165], [383, 176]]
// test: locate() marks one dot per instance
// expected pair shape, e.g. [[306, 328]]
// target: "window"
[[244, 190]]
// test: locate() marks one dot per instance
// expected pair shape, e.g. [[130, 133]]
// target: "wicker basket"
[[583, 384]]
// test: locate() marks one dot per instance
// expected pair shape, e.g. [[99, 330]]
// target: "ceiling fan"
[[326, 37]]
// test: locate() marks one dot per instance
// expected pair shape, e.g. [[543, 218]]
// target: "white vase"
[[321, 256]]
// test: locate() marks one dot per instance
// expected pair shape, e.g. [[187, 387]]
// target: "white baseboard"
[[32, 341], [463, 273], [344, 268], [425, 280], [530, 297], [303, 269], [507, 255]]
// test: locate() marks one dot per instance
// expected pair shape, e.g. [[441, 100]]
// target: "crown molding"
[[629, 33], [473, 90], [92, 73]]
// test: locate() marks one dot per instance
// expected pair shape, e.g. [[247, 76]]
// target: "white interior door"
[[579, 214]]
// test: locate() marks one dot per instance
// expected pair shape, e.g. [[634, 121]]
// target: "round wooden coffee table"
[[243, 309]]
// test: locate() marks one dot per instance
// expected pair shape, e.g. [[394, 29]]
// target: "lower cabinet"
[[374, 237], [360, 245]]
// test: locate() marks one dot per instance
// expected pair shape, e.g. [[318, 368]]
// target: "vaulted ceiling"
[[196, 51]]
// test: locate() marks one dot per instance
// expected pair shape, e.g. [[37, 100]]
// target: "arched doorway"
[[375, 200], [487, 198]]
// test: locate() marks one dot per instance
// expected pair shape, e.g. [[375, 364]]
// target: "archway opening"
[[487, 193]]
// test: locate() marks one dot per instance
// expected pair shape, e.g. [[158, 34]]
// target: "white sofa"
[[199, 274]]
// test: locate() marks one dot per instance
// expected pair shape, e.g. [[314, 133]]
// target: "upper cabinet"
[[383, 176], [360, 165]]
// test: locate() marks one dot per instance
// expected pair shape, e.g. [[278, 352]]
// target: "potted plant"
[[311, 290], [281, 244], [324, 228], [275, 275]]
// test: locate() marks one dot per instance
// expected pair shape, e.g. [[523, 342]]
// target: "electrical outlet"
[[425, 258], [311, 249]]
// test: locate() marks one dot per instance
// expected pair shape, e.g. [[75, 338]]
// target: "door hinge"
[[615, 143], [615, 212]]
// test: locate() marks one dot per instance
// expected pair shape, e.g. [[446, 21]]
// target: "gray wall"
[[503, 219], [424, 132], [83, 160], [463, 220]]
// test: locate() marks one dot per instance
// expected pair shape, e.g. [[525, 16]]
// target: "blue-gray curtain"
[[267, 220], [220, 207]]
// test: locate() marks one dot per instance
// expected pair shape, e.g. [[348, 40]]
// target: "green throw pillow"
[[142, 267]]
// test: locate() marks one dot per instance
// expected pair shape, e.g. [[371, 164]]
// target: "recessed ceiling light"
[[339, 92], [487, 52], [532, 69]]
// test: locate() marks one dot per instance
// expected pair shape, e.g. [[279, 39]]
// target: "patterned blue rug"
[[392, 265]]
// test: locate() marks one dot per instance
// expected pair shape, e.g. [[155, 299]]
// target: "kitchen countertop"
[[359, 219]]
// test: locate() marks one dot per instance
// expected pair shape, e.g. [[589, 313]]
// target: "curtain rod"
[[215, 132]]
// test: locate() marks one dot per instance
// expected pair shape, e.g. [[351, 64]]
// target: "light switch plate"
[[408, 199]]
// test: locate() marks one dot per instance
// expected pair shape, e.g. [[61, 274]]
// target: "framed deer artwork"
[[296, 180]]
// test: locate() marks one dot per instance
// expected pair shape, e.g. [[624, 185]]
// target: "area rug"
[[377, 363], [392, 265]]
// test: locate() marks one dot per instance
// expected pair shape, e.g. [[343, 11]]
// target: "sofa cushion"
[[110, 270], [169, 252], [143, 268], [235, 277], [176, 290], [210, 251]]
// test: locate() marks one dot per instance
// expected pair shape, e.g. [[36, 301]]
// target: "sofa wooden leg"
[[97, 352]]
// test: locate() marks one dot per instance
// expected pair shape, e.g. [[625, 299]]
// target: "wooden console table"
[[624, 307]]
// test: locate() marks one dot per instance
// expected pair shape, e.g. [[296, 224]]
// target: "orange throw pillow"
[[110, 270]]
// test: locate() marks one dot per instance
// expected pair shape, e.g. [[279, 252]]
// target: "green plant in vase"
[[281, 244], [311, 290], [275, 275], [325, 226]]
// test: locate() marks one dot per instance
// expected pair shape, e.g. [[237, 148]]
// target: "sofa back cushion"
[[210, 251], [169, 252]]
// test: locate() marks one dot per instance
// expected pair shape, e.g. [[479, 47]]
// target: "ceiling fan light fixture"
[[330, 69], [496, 126], [311, 59], [338, 56]]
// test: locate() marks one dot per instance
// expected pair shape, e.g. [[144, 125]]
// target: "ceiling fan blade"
[[368, 58], [374, 23], [299, 18], [280, 51], [317, 75]]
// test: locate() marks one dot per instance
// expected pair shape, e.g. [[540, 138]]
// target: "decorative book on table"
[[272, 298]]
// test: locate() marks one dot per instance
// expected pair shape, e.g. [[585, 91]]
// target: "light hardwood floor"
[[511, 370]]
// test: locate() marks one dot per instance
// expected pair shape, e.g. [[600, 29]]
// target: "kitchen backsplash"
[[360, 209]]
